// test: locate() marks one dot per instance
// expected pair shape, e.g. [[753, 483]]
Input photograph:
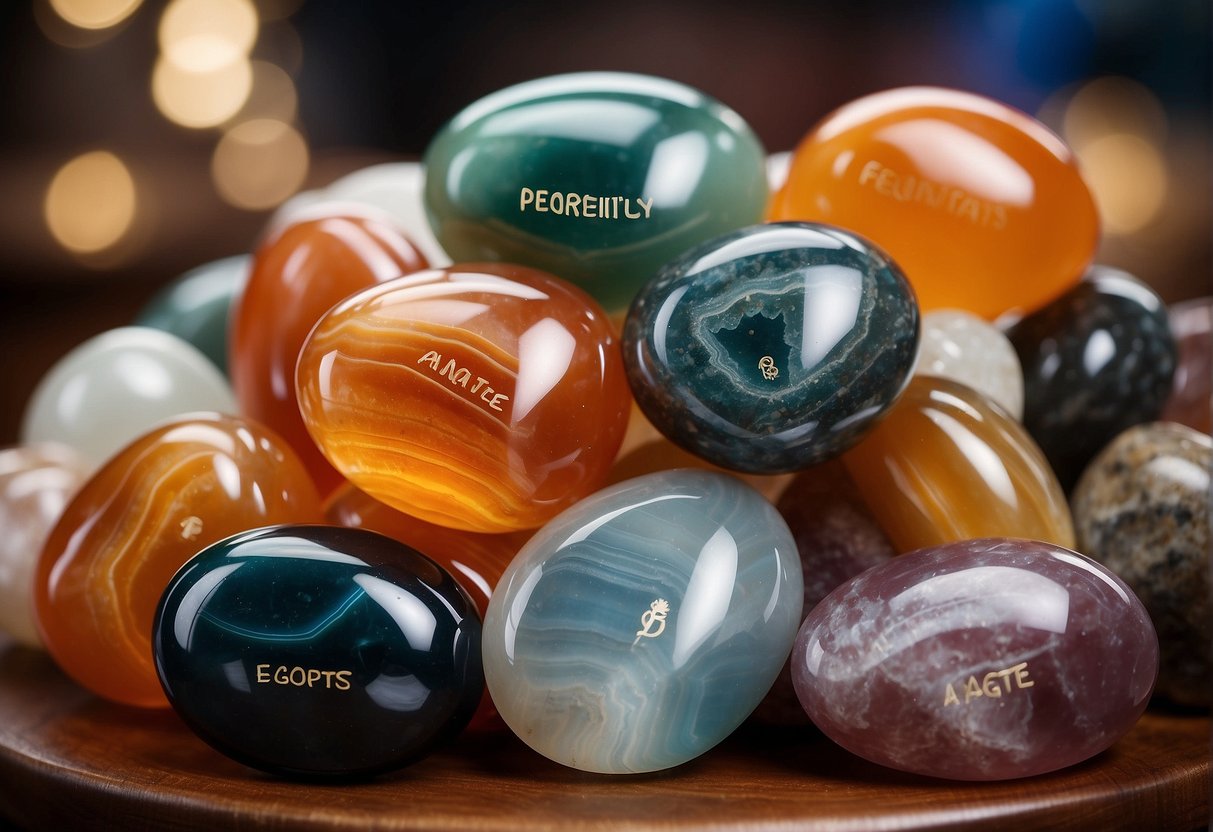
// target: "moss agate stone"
[[318, 651], [1097, 360], [640, 627], [771, 348], [1142, 509], [598, 178], [985, 659]]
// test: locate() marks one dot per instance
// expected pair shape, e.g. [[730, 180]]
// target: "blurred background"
[[140, 139]]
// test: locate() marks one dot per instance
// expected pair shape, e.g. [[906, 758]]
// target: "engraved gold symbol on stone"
[[191, 527], [769, 371], [654, 615]]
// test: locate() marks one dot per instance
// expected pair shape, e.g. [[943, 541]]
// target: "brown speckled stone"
[[1142, 509]]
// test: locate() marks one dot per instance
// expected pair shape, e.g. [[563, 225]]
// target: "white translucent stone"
[[963, 347]]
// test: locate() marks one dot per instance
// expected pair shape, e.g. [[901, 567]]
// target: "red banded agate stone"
[[484, 397], [980, 660]]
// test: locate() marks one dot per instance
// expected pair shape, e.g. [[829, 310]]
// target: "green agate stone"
[[598, 178]]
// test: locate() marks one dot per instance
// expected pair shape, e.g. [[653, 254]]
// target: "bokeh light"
[[259, 163], [273, 94], [1127, 177], [95, 14], [205, 35], [201, 99], [91, 202]]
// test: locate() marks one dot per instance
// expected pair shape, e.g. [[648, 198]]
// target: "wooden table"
[[71, 761]]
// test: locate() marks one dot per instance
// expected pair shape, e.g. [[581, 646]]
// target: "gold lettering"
[[497, 399], [556, 200], [993, 685], [430, 358], [299, 677], [647, 206], [589, 206], [541, 200], [302, 677], [281, 675], [869, 171], [262, 675], [313, 676], [343, 679], [571, 203], [991, 679], [1021, 674], [462, 376], [950, 698], [972, 689], [525, 198]]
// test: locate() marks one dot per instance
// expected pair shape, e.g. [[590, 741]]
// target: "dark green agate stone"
[[599, 178], [318, 651], [772, 348]]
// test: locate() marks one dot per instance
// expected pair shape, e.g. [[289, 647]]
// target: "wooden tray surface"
[[71, 761]]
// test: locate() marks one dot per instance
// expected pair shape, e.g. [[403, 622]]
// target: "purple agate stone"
[[979, 660]]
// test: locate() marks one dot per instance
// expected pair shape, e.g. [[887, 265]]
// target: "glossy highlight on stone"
[[771, 348], [599, 178], [1191, 400], [487, 397], [318, 651], [36, 482], [985, 659], [640, 627], [1142, 510], [196, 307], [963, 347], [944, 465], [117, 385], [298, 273], [146, 512], [1096, 360], [980, 204]]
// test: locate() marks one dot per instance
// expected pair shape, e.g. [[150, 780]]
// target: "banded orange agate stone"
[[980, 204], [485, 397], [296, 276], [945, 465], [152, 507]]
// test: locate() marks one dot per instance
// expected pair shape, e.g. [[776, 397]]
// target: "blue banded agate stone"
[[318, 651], [597, 177], [772, 348], [641, 626]]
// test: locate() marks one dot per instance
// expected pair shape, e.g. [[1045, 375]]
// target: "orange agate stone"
[[486, 397], [981, 205], [946, 465], [296, 276], [475, 560], [151, 508]]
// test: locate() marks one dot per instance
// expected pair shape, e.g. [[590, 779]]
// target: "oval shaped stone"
[[979, 660], [36, 483], [318, 651], [298, 273], [598, 178], [1142, 509], [146, 512], [946, 465], [963, 347], [1191, 400], [640, 627], [196, 307], [116, 386], [486, 397], [979, 203], [1097, 360], [771, 348]]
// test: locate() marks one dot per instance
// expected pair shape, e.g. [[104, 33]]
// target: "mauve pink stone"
[[984, 659]]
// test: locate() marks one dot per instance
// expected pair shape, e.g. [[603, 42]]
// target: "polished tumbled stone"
[[1096, 360], [1142, 509], [318, 650], [640, 627], [985, 659], [966, 348], [771, 348]]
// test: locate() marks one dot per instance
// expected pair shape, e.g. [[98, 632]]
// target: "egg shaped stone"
[[118, 385], [486, 397], [640, 627], [318, 651], [981, 205], [152, 507], [771, 348], [966, 348], [985, 659], [1191, 400], [597, 177], [1097, 360]]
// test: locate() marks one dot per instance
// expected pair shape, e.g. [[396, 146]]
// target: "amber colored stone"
[[152, 507], [487, 397], [297, 274], [946, 465], [981, 205], [475, 560]]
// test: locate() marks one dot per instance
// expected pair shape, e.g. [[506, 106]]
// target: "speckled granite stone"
[[1142, 509]]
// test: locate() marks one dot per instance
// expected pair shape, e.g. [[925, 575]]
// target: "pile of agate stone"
[[582, 431]]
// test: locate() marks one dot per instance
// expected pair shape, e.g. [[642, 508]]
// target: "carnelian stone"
[[152, 507], [981, 205], [486, 397], [297, 275], [946, 464]]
